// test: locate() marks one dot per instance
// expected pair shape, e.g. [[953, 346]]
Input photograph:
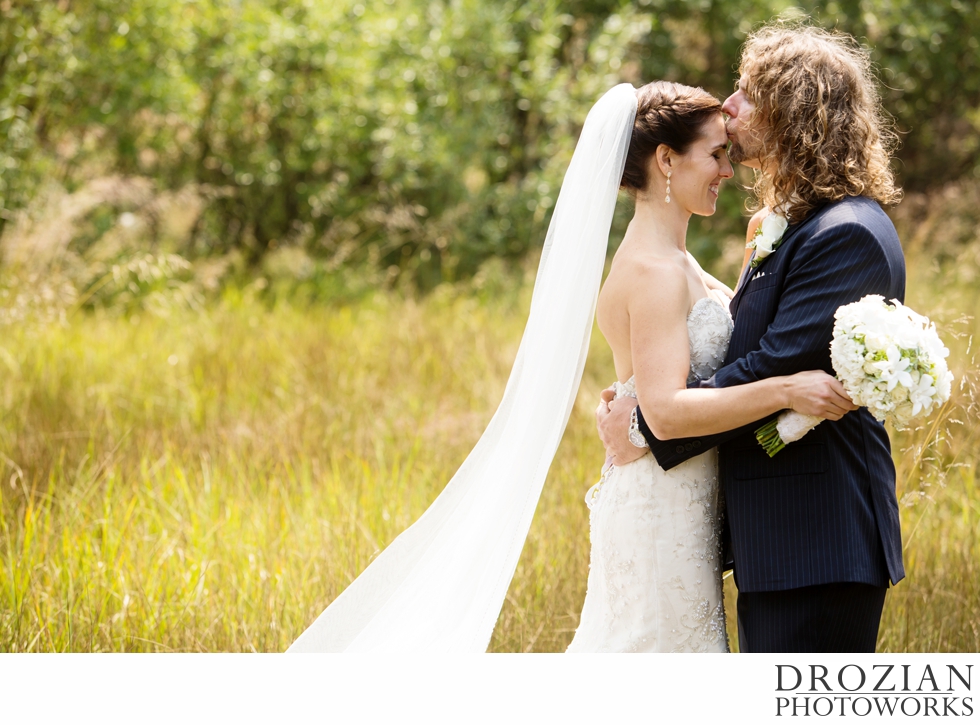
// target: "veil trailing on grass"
[[440, 585]]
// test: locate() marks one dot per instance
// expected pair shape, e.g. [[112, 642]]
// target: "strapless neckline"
[[709, 327], [703, 299]]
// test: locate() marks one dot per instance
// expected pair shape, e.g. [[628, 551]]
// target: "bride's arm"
[[722, 291], [658, 309]]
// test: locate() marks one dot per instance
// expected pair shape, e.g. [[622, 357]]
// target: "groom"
[[813, 532]]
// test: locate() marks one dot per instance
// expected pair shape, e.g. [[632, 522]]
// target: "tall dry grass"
[[212, 479]]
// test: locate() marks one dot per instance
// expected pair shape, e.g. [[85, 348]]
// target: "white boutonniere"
[[767, 237]]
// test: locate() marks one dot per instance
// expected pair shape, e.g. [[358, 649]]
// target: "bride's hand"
[[722, 296], [815, 393]]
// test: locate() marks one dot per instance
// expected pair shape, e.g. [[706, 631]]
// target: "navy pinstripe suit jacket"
[[824, 508]]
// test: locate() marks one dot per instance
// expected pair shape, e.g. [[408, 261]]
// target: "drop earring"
[[667, 198]]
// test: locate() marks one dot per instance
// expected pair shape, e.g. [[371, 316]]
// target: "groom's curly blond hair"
[[827, 132]]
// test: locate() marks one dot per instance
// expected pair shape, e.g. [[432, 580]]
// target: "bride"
[[655, 580]]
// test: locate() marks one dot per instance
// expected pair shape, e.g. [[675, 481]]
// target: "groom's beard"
[[736, 154], [748, 150], [739, 154]]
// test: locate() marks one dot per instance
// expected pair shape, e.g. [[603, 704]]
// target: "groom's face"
[[743, 127]]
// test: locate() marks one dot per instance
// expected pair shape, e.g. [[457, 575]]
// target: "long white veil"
[[440, 585]]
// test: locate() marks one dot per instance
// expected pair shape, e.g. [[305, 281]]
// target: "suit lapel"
[[747, 272], [744, 280]]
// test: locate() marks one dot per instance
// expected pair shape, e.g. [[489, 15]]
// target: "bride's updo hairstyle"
[[666, 113]]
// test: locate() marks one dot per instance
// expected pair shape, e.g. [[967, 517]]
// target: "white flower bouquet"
[[889, 359]]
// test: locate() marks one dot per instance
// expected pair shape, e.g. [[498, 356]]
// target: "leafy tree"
[[420, 137]]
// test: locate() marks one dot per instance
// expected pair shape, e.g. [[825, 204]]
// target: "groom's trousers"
[[840, 617]]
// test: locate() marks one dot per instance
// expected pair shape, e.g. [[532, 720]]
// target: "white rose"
[[774, 225], [769, 234], [903, 414]]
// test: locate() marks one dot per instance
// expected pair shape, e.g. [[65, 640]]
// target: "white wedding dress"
[[655, 565]]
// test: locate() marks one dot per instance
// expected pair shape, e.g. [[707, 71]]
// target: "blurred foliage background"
[[340, 145], [219, 384]]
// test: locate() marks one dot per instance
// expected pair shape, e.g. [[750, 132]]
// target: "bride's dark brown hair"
[[666, 113]]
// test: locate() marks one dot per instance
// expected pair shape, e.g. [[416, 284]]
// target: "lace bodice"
[[709, 329]]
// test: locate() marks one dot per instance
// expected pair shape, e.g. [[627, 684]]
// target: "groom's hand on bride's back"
[[612, 419], [816, 393]]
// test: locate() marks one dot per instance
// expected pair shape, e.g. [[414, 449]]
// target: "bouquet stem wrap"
[[787, 428]]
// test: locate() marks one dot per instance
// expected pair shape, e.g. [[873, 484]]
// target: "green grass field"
[[210, 480]]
